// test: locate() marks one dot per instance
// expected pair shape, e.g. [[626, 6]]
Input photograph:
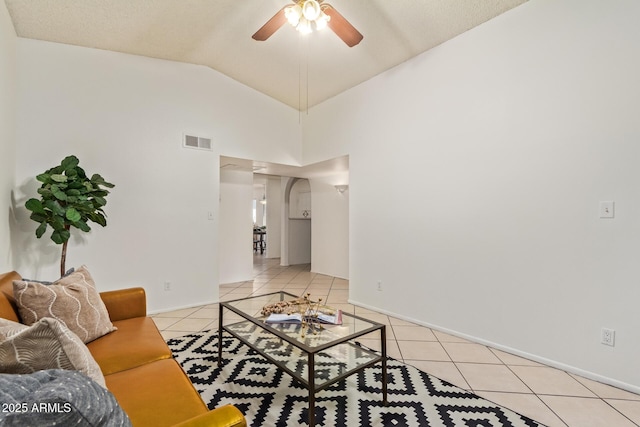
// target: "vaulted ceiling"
[[298, 70]]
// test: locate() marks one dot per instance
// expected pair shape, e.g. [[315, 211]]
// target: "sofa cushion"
[[47, 344], [72, 299], [8, 306], [136, 342], [156, 394], [57, 398]]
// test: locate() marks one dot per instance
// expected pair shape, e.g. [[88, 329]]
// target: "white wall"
[[480, 165], [330, 226], [236, 225], [274, 217], [124, 117], [7, 132]]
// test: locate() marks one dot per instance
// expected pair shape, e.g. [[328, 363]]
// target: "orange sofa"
[[138, 366]]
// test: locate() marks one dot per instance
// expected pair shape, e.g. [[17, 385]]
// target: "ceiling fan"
[[305, 15]]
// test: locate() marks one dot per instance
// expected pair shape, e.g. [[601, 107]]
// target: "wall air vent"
[[199, 142]]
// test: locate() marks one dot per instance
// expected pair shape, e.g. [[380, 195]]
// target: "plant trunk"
[[63, 257]]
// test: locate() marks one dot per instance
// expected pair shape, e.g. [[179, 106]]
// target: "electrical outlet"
[[167, 286], [608, 337], [379, 285]]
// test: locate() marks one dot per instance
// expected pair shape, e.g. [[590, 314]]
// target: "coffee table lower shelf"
[[308, 365]]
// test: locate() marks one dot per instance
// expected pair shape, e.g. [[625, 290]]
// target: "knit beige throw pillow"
[[72, 299], [47, 344]]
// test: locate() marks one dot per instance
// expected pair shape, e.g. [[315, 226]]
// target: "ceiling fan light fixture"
[[304, 26], [293, 14], [322, 21], [311, 9], [308, 15]]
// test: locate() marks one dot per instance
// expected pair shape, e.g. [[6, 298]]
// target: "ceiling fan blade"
[[271, 26], [342, 27]]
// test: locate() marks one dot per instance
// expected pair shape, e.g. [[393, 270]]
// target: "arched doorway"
[[296, 227]]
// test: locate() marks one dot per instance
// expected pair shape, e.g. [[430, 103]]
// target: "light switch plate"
[[606, 209]]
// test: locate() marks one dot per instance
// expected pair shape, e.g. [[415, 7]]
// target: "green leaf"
[[34, 205], [70, 162], [81, 172], [54, 207], [44, 177], [99, 180], [99, 201], [58, 223], [39, 217], [59, 178], [60, 236], [41, 229], [98, 218], [82, 226], [60, 195], [73, 215], [45, 193]]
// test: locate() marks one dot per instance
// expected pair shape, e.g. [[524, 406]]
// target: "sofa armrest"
[[224, 416], [125, 303]]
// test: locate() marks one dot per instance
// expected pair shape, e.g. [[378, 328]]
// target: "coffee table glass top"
[[333, 348], [351, 325]]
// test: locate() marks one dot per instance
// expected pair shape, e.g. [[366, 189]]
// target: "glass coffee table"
[[315, 360]]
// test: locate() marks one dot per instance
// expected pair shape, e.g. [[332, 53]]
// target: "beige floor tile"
[[469, 352], [178, 313], [512, 359], [375, 317], [486, 377], [165, 322], [346, 308], [586, 412], [399, 322], [446, 371], [423, 350], [167, 335], [297, 287], [444, 337], [546, 380], [192, 325], [205, 313], [630, 408], [606, 391], [413, 333], [528, 405], [374, 344]]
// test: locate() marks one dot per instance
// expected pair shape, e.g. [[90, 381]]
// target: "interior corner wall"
[[235, 234], [330, 226], [124, 117], [476, 172], [8, 77]]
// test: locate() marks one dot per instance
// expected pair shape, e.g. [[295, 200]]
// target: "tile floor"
[[548, 395]]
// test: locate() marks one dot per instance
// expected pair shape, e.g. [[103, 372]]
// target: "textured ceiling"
[[300, 71]]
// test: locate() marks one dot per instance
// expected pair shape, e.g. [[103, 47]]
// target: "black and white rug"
[[270, 397]]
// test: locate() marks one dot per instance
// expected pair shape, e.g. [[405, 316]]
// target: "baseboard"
[[182, 307], [549, 362]]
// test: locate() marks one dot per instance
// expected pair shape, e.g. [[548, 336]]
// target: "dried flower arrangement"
[[304, 306]]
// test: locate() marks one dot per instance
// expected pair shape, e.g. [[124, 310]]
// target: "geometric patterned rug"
[[267, 396]]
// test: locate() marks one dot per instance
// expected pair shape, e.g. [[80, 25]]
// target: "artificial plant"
[[68, 198]]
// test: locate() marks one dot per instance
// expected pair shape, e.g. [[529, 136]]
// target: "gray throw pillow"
[[57, 398]]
